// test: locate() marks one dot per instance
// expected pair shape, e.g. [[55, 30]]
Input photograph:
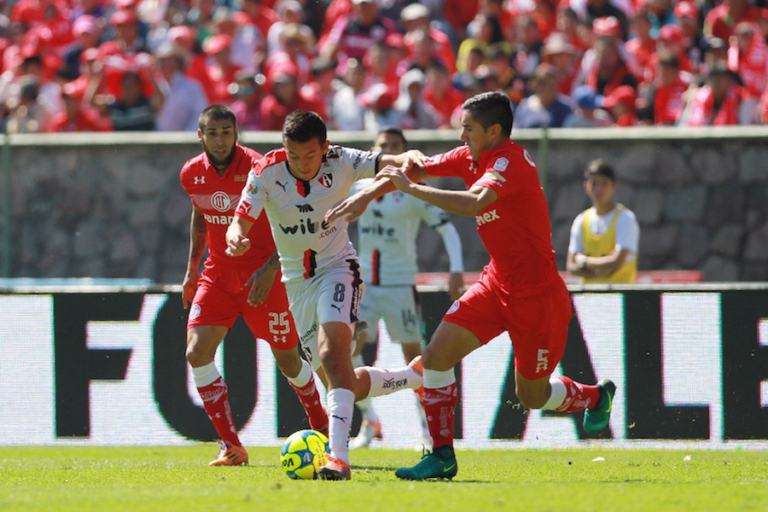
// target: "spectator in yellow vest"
[[604, 238]]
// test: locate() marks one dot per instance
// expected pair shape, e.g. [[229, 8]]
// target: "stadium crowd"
[[102, 65]]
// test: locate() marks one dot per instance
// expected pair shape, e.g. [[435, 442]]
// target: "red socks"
[[310, 400], [216, 402], [578, 396], [439, 405]]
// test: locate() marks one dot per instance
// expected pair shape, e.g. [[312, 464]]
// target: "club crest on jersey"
[[326, 180], [220, 201], [501, 164], [199, 180]]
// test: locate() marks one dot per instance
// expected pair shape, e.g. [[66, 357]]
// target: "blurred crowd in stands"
[[128, 65]]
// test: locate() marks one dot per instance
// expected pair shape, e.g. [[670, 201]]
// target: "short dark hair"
[[216, 113], [491, 108], [599, 167], [302, 126], [393, 130]]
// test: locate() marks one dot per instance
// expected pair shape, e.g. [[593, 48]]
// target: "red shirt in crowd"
[[88, 120], [444, 106], [668, 102], [720, 22]]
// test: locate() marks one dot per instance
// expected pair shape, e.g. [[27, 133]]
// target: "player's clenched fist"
[[237, 245]]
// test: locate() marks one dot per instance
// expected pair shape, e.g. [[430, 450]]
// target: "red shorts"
[[221, 297], [538, 325]]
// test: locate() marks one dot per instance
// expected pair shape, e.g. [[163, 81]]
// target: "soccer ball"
[[303, 453]]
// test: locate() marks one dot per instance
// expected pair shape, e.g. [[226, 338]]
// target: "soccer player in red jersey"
[[229, 287], [520, 290]]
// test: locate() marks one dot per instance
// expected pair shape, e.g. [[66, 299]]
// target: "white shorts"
[[399, 307], [332, 295]]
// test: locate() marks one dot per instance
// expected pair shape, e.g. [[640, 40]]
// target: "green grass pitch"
[[167, 479]]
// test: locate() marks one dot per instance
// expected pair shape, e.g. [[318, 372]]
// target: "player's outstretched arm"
[[237, 241], [198, 239], [262, 280], [461, 202], [411, 163]]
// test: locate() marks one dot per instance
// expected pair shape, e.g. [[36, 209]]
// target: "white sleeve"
[[253, 197], [360, 164], [627, 231], [431, 214], [576, 243], [360, 185], [452, 243]]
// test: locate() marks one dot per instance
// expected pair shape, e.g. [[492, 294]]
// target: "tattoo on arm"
[[274, 261], [197, 237]]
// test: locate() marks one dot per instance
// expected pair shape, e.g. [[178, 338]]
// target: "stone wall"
[[110, 205]]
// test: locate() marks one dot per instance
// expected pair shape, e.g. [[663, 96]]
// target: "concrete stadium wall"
[[111, 206]]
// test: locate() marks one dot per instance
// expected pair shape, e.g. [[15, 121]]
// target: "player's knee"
[[289, 365], [432, 359], [197, 355]]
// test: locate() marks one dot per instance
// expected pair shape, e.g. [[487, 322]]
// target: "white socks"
[[205, 375], [340, 405], [559, 393], [434, 379], [384, 382], [304, 376]]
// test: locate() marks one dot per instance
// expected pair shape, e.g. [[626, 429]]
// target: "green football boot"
[[597, 419], [433, 465]]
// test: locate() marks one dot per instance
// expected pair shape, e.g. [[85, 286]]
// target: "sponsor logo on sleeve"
[[199, 180]]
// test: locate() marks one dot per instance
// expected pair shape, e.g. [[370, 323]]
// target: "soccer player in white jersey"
[[387, 245], [296, 185]]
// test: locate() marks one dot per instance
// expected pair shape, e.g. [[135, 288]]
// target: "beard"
[[220, 163]]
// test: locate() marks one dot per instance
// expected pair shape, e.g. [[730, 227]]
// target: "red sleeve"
[[510, 174], [456, 162]]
